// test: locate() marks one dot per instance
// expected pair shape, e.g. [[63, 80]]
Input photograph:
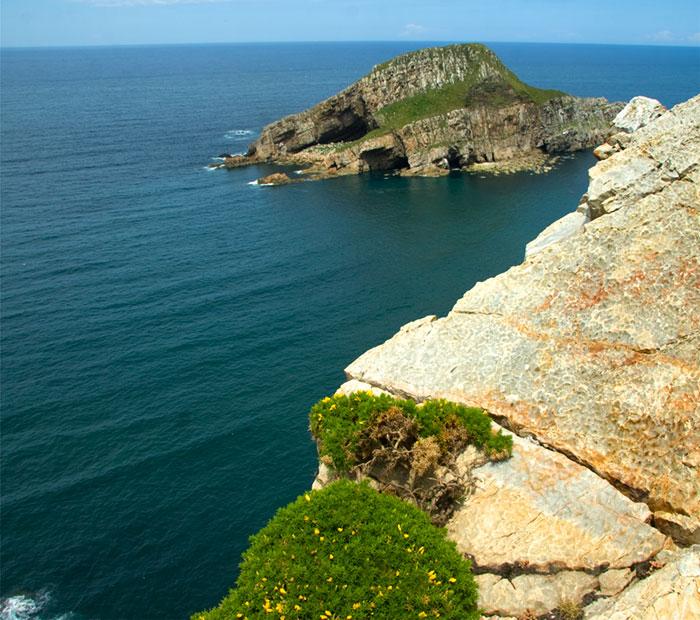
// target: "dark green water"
[[165, 329]]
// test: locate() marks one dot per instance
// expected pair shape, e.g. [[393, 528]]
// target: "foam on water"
[[238, 134], [30, 607]]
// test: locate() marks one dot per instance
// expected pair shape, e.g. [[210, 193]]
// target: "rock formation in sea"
[[430, 111], [589, 353]]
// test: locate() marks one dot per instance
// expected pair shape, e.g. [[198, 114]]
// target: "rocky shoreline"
[[589, 354], [429, 112]]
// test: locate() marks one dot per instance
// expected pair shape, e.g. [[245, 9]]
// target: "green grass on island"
[[505, 89], [349, 552]]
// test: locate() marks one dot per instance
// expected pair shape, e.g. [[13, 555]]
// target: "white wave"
[[238, 134], [253, 183], [29, 607], [208, 168]]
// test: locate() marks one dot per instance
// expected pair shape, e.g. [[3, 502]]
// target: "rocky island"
[[431, 111]]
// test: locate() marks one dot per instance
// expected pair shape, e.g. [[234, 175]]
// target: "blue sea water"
[[165, 328]]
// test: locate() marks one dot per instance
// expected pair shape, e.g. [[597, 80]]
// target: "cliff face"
[[429, 111], [589, 352]]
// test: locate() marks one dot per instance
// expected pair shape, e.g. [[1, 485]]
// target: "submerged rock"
[[277, 178]]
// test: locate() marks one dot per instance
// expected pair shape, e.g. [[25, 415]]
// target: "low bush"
[[342, 425], [348, 552]]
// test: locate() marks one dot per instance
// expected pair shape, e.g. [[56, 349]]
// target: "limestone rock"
[[277, 178], [640, 111], [604, 151], [614, 581], [567, 226], [352, 386], [672, 593], [546, 512], [685, 530], [537, 594], [663, 151], [592, 345], [324, 476]]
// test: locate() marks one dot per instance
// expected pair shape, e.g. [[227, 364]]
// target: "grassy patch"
[[342, 424], [348, 551]]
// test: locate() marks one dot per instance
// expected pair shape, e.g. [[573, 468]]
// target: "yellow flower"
[[422, 614], [283, 591], [340, 529], [330, 557], [356, 605], [317, 531], [279, 607], [297, 607], [307, 497], [453, 580]]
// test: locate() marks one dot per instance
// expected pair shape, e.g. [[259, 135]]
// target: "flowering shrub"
[[340, 423], [347, 552]]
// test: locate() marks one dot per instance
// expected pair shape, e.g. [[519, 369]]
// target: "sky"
[[36, 23]]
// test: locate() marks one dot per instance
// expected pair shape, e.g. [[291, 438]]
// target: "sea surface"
[[165, 328]]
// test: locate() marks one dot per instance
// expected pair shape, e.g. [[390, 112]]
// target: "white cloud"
[[662, 36], [119, 3], [412, 30], [694, 38]]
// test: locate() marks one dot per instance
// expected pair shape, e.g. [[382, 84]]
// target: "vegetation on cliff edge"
[[348, 552], [344, 425]]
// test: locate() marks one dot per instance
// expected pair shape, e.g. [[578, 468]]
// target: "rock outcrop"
[[673, 592], [591, 345], [431, 111], [589, 352]]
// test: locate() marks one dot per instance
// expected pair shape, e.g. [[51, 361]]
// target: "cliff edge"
[[430, 111], [589, 353]]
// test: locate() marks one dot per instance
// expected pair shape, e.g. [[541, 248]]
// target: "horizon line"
[[329, 41]]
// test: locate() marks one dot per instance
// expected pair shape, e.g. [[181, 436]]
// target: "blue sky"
[[109, 22]]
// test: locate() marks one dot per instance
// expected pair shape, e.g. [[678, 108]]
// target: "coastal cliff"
[[589, 354], [430, 111]]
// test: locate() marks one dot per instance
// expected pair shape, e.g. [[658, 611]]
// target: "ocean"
[[165, 328]]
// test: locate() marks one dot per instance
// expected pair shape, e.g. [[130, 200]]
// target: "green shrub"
[[339, 424], [349, 552]]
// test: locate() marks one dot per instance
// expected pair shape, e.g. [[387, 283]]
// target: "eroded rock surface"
[[536, 594], [671, 593], [544, 512], [592, 345], [640, 111]]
